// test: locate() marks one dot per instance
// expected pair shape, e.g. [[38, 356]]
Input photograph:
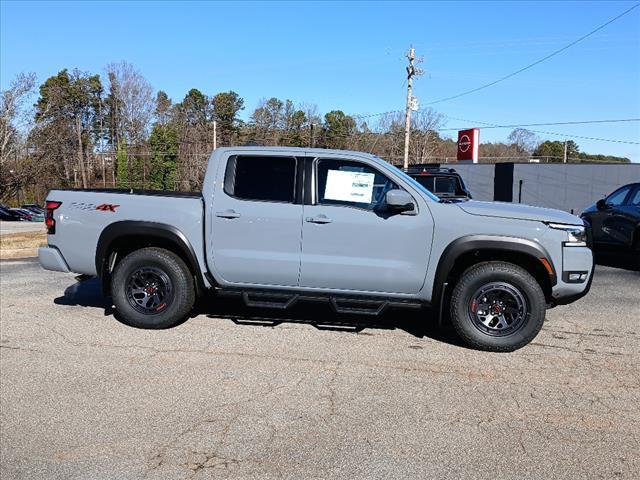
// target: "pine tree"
[[122, 166], [163, 148]]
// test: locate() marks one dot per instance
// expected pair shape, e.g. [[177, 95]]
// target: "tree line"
[[86, 130]]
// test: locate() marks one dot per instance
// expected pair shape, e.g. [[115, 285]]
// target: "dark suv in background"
[[615, 227], [446, 183]]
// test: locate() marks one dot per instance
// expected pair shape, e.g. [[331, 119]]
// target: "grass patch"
[[22, 244]]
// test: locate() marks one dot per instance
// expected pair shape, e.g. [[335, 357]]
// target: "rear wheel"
[[152, 288], [497, 306]]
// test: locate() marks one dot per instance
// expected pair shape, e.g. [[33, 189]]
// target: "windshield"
[[422, 188], [447, 186]]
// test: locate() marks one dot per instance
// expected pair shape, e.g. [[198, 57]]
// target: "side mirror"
[[601, 204], [399, 201]]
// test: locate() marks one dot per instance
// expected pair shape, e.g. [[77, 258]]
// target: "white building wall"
[[569, 187]]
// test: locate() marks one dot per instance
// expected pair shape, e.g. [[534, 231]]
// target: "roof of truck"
[[293, 150]]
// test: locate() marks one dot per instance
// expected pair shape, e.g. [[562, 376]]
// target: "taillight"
[[49, 221]]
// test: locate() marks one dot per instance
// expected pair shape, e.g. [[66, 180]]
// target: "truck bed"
[[84, 214]]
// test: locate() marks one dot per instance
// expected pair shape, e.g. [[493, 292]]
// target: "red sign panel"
[[468, 143]]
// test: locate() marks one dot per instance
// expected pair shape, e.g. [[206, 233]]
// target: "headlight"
[[576, 234]]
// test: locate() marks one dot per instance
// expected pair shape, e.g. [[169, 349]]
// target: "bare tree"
[[425, 138], [12, 117], [134, 97], [131, 107], [525, 141], [389, 140]]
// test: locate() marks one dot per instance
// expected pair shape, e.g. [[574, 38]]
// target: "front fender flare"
[[470, 243]]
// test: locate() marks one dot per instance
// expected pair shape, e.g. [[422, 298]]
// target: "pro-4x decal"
[[107, 207]]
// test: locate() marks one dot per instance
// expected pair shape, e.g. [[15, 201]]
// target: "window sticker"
[[348, 186]]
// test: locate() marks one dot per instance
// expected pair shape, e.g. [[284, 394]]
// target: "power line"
[[482, 87], [582, 122], [564, 135], [486, 125], [537, 62], [358, 117], [493, 125]]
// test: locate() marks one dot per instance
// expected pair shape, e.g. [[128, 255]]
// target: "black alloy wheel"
[[149, 290], [498, 309]]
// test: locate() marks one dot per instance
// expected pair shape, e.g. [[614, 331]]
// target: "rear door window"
[[269, 179]]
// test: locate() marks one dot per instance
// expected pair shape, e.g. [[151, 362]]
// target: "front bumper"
[[51, 259], [575, 261]]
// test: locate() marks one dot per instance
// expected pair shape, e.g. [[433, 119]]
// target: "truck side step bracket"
[[358, 306], [269, 300]]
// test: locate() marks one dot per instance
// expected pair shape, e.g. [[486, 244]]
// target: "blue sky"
[[349, 56]]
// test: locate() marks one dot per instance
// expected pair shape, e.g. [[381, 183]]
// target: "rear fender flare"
[[150, 230]]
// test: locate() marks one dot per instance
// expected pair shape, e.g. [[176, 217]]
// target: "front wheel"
[[152, 288], [497, 306]]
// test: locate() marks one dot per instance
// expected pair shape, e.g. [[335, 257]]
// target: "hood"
[[518, 211]]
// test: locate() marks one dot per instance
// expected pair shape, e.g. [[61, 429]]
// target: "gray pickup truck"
[[278, 225]]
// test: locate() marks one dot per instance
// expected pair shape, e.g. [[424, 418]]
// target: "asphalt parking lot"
[[228, 395]]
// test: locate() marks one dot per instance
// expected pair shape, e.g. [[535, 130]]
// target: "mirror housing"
[[601, 204], [399, 201]]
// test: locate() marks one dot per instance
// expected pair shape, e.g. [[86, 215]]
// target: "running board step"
[[340, 304]]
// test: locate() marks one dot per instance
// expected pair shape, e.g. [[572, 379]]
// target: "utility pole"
[[312, 140], [215, 135], [565, 151], [411, 102]]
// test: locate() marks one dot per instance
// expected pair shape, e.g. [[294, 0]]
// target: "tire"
[[497, 306], [134, 280]]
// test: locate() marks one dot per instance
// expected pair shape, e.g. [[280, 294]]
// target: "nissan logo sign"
[[464, 143]]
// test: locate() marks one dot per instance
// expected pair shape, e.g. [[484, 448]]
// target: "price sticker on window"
[[348, 186]]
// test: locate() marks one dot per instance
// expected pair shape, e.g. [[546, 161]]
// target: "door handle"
[[321, 219], [228, 214]]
